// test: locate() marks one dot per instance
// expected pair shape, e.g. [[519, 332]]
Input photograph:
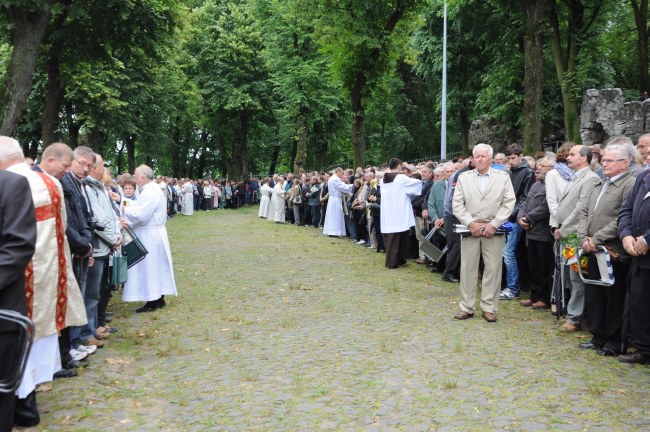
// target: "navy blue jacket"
[[634, 216], [79, 234]]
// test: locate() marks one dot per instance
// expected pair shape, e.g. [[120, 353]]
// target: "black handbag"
[[133, 248]]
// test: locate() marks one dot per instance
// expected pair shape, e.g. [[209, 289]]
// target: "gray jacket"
[[104, 213]]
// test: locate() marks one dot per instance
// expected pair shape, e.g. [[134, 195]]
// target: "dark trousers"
[[315, 215], [397, 248], [8, 342], [605, 309], [639, 304], [540, 266], [452, 266], [323, 208], [105, 294]]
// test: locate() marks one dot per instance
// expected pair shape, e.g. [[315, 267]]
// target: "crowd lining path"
[[278, 328]]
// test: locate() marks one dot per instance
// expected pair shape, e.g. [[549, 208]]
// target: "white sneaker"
[[77, 355], [360, 242], [88, 349]]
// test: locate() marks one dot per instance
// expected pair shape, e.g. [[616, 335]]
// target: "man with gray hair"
[[483, 201], [634, 168], [151, 279]]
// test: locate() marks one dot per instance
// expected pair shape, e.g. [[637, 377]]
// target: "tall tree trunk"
[[564, 59], [640, 9], [54, 92], [274, 159], [96, 140], [533, 74], [358, 117], [73, 126], [242, 154], [120, 156], [130, 152], [53, 101], [302, 134], [28, 32]]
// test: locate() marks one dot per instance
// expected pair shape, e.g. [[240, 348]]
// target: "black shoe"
[[607, 352], [160, 303], [72, 364], [148, 307], [450, 279], [62, 373], [634, 358], [588, 345]]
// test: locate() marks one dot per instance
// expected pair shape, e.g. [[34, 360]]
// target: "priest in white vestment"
[[53, 296], [396, 212], [265, 200], [334, 224], [152, 278], [276, 209], [188, 198]]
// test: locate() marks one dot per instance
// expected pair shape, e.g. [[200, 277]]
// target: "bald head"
[[10, 152]]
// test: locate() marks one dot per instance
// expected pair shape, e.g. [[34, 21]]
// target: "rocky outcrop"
[[605, 114], [487, 131]]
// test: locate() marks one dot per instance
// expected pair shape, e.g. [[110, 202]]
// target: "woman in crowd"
[[228, 193], [208, 192], [217, 194]]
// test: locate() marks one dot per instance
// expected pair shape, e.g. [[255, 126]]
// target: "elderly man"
[[643, 147], [396, 214], [17, 244], [483, 201], [53, 298], [598, 227], [334, 224], [151, 279], [570, 205], [634, 232]]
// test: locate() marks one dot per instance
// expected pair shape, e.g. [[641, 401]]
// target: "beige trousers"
[[471, 250]]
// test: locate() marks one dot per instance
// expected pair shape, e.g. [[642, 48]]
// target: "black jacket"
[[535, 208], [634, 216], [522, 178], [17, 241], [420, 202], [78, 231]]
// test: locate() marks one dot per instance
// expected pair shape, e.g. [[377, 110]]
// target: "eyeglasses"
[[608, 161], [85, 164], [547, 166]]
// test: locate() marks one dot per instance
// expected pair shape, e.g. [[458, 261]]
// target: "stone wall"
[[605, 114]]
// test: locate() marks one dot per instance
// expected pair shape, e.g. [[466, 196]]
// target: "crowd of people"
[[571, 228], [551, 224], [62, 225]]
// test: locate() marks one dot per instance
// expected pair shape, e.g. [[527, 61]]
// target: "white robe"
[[334, 219], [154, 275], [265, 200], [276, 209], [188, 199], [396, 210]]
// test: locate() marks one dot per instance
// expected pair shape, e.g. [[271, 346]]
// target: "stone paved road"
[[279, 328]]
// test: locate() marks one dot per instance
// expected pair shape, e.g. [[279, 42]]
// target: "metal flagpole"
[[443, 120]]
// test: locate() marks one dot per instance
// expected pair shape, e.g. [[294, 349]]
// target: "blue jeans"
[[510, 259], [91, 297]]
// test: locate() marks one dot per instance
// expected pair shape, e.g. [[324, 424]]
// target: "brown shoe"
[[93, 341], [526, 303], [540, 305], [462, 315], [102, 335], [419, 261], [489, 317], [567, 327]]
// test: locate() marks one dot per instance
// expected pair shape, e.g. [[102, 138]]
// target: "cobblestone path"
[[278, 328]]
